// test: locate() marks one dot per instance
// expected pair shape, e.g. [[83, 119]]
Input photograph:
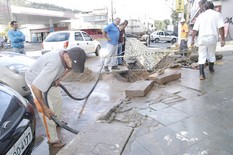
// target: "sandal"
[[57, 144]]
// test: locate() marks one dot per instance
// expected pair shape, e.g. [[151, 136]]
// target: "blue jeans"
[[119, 53]]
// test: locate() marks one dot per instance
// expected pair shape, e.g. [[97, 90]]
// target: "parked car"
[[172, 33], [69, 39], [163, 36], [17, 126], [12, 69]]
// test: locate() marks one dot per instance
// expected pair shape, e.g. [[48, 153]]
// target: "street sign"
[[179, 6]]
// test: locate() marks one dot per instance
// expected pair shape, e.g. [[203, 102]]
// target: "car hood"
[[9, 58]]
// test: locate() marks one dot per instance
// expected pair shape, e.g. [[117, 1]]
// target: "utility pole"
[[112, 10]]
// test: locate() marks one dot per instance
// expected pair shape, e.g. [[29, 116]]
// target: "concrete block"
[[167, 76], [98, 138], [139, 88]]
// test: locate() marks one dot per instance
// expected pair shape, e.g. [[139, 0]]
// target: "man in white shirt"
[[209, 24]]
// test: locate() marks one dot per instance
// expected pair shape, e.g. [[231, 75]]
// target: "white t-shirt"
[[45, 70], [208, 24]]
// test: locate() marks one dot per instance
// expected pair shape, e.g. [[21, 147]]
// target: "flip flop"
[[57, 144]]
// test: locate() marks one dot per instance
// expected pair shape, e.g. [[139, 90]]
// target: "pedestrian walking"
[[17, 38], [111, 33], [209, 25], [47, 72]]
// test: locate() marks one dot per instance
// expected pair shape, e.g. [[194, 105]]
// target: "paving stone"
[[98, 138], [219, 144], [165, 116], [139, 88], [167, 76]]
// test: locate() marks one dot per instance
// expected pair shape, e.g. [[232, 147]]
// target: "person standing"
[[121, 42], [209, 24], [184, 37], [111, 33], [45, 74], [124, 41], [201, 4], [17, 38]]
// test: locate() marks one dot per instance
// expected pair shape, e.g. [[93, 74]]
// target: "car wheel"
[[97, 50], [157, 40], [173, 40]]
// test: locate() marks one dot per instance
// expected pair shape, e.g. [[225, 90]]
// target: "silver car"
[[12, 70], [162, 36]]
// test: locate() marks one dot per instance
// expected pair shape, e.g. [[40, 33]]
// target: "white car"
[[163, 36], [69, 39], [12, 69]]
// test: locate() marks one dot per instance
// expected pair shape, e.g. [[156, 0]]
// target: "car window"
[[78, 36], [5, 99], [56, 37], [167, 34], [87, 37], [160, 33]]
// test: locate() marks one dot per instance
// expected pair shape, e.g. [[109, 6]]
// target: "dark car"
[[17, 126]]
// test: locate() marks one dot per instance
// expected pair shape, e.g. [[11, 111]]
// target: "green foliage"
[[159, 25], [4, 33], [175, 17], [167, 21]]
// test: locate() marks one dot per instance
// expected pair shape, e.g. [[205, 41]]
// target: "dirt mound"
[[85, 77]]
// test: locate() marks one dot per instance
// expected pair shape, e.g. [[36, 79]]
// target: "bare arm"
[[193, 37], [38, 94], [221, 32], [105, 35]]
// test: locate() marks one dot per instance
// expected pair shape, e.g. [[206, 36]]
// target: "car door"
[[79, 41], [89, 42], [167, 36], [162, 36]]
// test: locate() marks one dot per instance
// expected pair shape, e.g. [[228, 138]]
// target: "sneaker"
[[106, 68], [115, 67]]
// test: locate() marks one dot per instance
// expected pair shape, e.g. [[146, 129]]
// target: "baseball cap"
[[78, 58]]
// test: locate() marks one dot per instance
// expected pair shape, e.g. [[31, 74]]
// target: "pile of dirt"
[[85, 77]]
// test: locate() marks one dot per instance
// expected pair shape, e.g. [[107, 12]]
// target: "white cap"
[[182, 20]]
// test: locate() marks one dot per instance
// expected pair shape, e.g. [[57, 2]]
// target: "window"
[[78, 36], [87, 37], [57, 37]]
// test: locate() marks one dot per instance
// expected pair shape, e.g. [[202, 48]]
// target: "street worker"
[[17, 38], [201, 4], [184, 37], [121, 42], [48, 70], [111, 33], [209, 24]]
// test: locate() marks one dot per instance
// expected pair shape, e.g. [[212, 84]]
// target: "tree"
[[160, 25], [174, 14]]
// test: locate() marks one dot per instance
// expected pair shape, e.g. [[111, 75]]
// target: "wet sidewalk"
[[183, 117]]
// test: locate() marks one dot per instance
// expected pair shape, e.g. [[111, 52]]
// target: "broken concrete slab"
[[139, 88], [167, 76], [99, 138]]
